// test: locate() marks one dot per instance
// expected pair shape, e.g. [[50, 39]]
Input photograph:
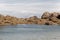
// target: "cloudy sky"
[[27, 8]]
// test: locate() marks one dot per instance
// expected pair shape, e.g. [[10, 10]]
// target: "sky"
[[27, 8]]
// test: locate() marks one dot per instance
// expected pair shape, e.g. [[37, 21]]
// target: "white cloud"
[[28, 9]]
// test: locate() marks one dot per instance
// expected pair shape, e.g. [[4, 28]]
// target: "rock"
[[58, 22], [58, 17], [54, 18], [33, 18], [46, 19], [54, 14], [45, 15], [50, 23], [42, 21]]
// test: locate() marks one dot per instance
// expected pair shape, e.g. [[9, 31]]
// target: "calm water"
[[30, 32]]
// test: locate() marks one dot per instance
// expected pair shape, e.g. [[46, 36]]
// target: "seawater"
[[30, 32]]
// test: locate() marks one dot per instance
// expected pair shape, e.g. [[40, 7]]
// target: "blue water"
[[30, 32]]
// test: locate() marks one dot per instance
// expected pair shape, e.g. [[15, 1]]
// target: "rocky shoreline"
[[46, 19]]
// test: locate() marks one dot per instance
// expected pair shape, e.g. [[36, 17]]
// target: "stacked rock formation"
[[46, 19], [53, 18]]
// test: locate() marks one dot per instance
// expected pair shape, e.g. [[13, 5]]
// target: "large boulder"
[[45, 15], [33, 18], [50, 23], [54, 18], [46, 22], [54, 14]]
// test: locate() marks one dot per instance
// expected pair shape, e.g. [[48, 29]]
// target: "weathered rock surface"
[[45, 15], [46, 19], [53, 17]]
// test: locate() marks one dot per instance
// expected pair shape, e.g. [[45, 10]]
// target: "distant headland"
[[46, 19]]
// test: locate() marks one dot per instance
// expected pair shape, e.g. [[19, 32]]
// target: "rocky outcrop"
[[45, 15], [46, 19], [53, 17]]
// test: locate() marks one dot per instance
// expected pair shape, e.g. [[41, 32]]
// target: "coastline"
[[46, 19]]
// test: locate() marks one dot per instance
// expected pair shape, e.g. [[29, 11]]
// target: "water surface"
[[30, 32]]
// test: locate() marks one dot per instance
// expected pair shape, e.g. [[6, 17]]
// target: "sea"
[[30, 32]]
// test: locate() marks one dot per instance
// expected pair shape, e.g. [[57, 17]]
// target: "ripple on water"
[[30, 32]]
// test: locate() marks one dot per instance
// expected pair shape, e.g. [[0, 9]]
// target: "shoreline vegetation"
[[46, 19]]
